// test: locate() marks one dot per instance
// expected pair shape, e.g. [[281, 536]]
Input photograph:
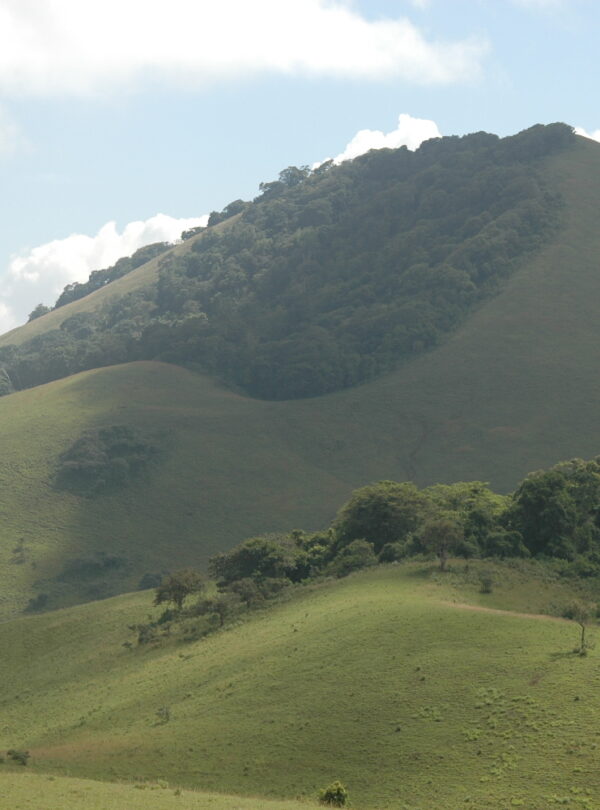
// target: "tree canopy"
[[329, 277]]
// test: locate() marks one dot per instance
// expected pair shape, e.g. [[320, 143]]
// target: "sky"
[[123, 122]]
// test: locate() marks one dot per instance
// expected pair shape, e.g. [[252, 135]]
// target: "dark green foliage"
[[90, 567], [392, 552], [104, 459], [329, 277], [230, 210], [556, 510], [443, 535], [358, 554], [192, 232], [37, 312], [150, 580], [247, 591], [335, 795], [258, 557], [381, 513], [99, 278], [223, 606], [21, 757], [176, 587], [37, 603], [502, 543]]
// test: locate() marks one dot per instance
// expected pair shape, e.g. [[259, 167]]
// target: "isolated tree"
[[582, 614], [176, 587], [442, 535], [40, 310]]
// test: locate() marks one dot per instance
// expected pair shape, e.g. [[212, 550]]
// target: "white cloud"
[[70, 46], [41, 274], [410, 132], [594, 136]]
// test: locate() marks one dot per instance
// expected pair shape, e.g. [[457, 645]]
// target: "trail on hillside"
[[482, 609]]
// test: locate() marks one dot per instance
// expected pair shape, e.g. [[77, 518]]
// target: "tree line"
[[553, 514]]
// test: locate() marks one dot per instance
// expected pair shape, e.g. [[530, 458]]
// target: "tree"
[[546, 514], [256, 557], [222, 605], [380, 513], [442, 535], [582, 614], [248, 591], [176, 587], [359, 554], [40, 310]]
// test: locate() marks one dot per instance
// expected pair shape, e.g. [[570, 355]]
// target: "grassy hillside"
[[382, 680], [513, 390], [28, 791], [225, 471]]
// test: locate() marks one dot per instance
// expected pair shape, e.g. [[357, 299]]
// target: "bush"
[[335, 795], [18, 756], [104, 459], [359, 554], [392, 552], [486, 582]]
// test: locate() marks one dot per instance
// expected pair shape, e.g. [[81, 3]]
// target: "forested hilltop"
[[330, 277]]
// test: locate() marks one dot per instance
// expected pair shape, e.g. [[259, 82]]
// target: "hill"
[[383, 680], [511, 390], [331, 277]]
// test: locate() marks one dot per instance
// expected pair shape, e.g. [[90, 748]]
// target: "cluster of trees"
[[554, 513], [330, 276], [104, 458]]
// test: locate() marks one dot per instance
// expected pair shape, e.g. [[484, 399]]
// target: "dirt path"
[[481, 609]]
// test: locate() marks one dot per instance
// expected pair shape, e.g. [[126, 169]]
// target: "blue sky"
[[115, 111]]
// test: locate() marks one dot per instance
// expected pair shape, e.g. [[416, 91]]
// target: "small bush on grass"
[[335, 795], [18, 756]]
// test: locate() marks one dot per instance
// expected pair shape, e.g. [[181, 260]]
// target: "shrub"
[[486, 582], [335, 795], [103, 459], [392, 552], [18, 756], [359, 554]]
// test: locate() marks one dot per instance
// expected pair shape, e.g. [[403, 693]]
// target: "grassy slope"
[[378, 680], [224, 474]]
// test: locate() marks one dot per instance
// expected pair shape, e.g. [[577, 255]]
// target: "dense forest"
[[330, 277]]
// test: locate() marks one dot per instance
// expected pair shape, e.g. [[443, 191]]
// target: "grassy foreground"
[[26, 791], [382, 680]]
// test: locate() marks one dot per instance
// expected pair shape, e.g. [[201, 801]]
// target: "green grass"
[[379, 680], [516, 388], [27, 791]]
